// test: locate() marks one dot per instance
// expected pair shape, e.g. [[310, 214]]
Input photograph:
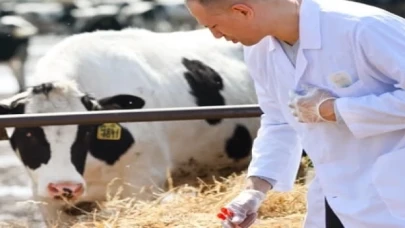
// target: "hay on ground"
[[192, 207]]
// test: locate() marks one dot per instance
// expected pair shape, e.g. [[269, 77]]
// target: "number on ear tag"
[[109, 131]]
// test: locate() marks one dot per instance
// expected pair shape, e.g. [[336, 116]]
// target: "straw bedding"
[[193, 205], [196, 206]]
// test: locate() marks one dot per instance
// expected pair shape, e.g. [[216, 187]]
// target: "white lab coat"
[[357, 52]]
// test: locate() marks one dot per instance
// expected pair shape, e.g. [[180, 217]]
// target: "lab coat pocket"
[[388, 179], [353, 90], [345, 84]]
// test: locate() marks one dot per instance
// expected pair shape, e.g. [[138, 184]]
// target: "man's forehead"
[[195, 9], [200, 12]]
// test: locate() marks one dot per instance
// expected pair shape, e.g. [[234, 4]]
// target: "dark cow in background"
[[70, 17], [42, 14], [15, 34], [160, 16], [100, 17], [66, 17], [131, 69]]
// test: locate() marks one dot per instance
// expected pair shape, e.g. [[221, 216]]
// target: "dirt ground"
[[15, 191]]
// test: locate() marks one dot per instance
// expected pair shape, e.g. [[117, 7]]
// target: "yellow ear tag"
[[109, 131]]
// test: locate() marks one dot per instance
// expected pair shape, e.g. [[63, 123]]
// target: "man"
[[329, 76]]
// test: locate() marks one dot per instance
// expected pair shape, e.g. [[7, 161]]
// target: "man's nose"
[[216, 33]]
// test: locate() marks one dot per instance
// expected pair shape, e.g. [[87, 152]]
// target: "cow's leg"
[[17, 65]]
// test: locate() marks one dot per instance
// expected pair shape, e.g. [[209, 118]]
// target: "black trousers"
[[332, 221]]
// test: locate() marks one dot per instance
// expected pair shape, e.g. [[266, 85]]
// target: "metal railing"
[[139, 115]]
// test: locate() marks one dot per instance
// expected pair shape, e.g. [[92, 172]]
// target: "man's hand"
[[327, 110], [241, 212], [313, 106]]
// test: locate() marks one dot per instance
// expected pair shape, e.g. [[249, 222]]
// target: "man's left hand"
[[314, 105]]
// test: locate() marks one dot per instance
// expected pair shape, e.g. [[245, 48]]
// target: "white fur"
[[148, 65]]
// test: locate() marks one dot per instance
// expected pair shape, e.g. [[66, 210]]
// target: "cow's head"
[[55, 155], [16, 27]]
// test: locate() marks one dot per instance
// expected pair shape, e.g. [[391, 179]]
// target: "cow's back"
[[160, 68]]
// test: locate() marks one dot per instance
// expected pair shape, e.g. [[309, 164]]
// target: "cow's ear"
[[15, 107], [90, 103], [122, 101], [5, 109]]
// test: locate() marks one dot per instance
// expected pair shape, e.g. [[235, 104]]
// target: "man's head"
[[246, 21]]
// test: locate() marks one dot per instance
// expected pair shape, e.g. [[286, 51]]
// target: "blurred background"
[[28, 28]]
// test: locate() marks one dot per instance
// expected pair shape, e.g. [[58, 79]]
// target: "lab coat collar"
[[309, 26]]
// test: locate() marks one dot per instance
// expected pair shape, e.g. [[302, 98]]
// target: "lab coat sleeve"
[[276, 151], [381, 48]]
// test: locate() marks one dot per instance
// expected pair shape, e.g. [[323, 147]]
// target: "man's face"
[[236, 23]]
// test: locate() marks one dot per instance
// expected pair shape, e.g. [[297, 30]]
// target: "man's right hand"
[[241, 212]]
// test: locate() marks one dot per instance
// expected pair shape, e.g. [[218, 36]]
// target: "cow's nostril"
[[77, 189], [52, 188], [65, 190]]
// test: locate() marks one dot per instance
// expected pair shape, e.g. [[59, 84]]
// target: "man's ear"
[[243, 9]]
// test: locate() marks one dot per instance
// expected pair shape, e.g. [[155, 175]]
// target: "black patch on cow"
[[32, 145], [110, 150], [80, 147], [106, 150], [205, 84], [239, 145], [31, 141]]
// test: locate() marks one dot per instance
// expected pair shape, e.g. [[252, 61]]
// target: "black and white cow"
[[131, 69], [15, 35], [42, 14]]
